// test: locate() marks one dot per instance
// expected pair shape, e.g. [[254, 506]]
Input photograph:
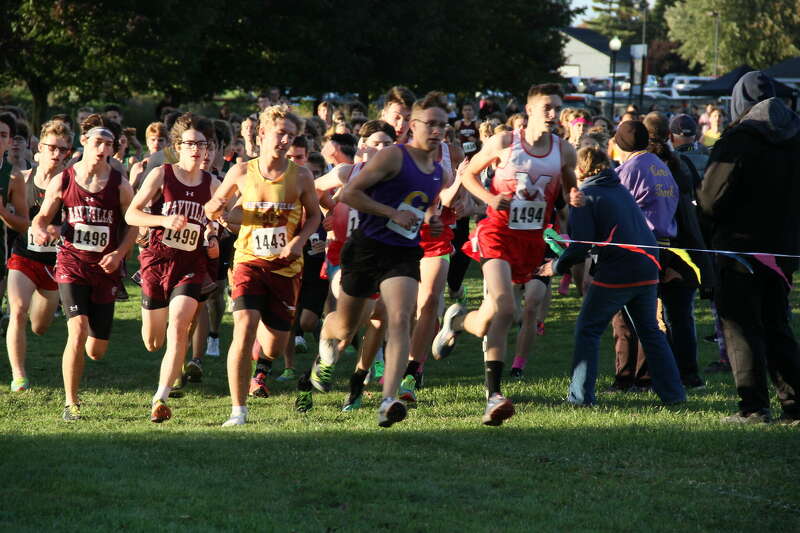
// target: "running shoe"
[[378, 367], [322, 376], [20, 385], [258, 386], [390, 412], [288, 374], [160, 412], [406, 392], [194, 371], [516, 373], [238, 420], [176, 391], [72, 412], [498, 409], [300, 345], [212, 346], [757, 417], [351, 403], [445, 340], [304, 401]]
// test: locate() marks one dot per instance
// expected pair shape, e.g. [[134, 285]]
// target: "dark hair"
[[357, 106], [23, 129], [399, 95], [170, 118], [545, 89], [431, 100], [63, 117], [300, 142], [112, 107], [374, 126], [9, 120], [190, 121], [315, 158], [346, 142], [222, 130]]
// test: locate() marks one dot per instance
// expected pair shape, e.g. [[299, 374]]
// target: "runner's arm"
[[40, 225], [384, 166], [308, 197], [150, 189], [333, 179], [230, 185], [112, 260], [489, 154], [18, 220]]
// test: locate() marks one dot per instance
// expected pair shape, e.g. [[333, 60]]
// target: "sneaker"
[[718, 367], [390, 412], [212, 346], [288, 374], [352, 404], [238, 420], [160, 412], [694, 382], [406, 392], [756, 417], [379, 367], [445, 340], [72, 412], [322, 376], [516, 373], [194, 371], [304, 401], [791, 420], [498, 409], [258, 386], [176, 391], [300, 345], [20, 385]]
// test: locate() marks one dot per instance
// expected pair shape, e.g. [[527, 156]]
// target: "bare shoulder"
[[568, 153]]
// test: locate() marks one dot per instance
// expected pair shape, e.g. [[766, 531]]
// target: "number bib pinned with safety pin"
[[185, 239], [268, 242], [90, 238], [526, 214]]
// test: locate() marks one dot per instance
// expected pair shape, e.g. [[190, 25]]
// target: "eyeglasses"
[[200, 145], [433, 124], [56, 148]]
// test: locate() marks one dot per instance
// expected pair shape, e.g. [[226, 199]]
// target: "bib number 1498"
[[90, 238]]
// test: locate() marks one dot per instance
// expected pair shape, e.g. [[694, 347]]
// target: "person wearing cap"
[[683, 137], [654, 190], [749, 198]]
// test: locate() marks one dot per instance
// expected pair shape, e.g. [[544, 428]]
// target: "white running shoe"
[[212, 347], [391, 411], [238, 420], [445, 340]]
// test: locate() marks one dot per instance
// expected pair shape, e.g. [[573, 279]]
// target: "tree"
[[620, 18], [759, 33]]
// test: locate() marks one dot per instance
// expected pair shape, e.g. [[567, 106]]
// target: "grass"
[[626, 465]]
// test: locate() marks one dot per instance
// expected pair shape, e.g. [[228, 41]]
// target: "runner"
[[397, 110], [275, 194], [534, 166], [467, 127], [94, 196], [156, 138], [174, 264], [31, 278], [395, 193]]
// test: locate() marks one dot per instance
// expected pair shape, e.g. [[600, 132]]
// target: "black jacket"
[[751, 189]]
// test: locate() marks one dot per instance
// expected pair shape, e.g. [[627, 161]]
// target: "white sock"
[[328, 354], [162, 394], [239, 410]]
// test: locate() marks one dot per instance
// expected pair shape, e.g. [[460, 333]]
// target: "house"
[[587, 54]]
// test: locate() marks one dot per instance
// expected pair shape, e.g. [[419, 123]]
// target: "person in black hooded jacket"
[[749, 198]]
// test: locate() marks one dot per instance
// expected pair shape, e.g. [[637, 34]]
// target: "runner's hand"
[[40, 236], [175, 222], [435, 225], [214, 208], [110, 262], [576, 198], [500, 202], [293, 250], [327, 221], [404, 219], [212, 251], [546, 270]]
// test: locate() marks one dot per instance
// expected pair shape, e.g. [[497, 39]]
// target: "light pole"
[[643, 7], [614, 45]]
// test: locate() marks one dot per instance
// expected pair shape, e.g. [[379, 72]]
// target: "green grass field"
[[627, 465]]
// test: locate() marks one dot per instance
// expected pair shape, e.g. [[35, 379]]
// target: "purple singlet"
[[411, 190]]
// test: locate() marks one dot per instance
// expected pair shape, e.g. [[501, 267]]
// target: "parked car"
[[682, 84]]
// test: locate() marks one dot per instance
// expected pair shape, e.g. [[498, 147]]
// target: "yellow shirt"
[[271, 216], [710, 138]]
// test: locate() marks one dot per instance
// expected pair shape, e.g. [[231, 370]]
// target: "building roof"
[[598, 41], [788, 68]]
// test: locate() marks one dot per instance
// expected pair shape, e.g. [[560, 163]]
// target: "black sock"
[[357, 382], [263, 365], [412, 368], [213, 335], [494, 371], [304, 382]]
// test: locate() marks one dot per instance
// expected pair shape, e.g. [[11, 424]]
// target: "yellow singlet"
[[271, 214]]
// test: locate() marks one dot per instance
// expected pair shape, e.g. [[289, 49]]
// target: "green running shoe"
[[322, 376], [288, 375], [352, 404], [71, 413], [304, 401], [20, 385], [377, 373], [406, 392]]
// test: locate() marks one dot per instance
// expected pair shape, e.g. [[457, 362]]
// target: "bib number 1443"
[[269, 241]]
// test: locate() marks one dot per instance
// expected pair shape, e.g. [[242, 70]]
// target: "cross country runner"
[[275, 193], [94, 197], [533, 167]]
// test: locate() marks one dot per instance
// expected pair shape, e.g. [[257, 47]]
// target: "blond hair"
[[592, 160], [156, 129], [272, 114]]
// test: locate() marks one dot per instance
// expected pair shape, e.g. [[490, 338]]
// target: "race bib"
[[312, 240], [90, 238], [49, 246], [269, 241], [526, 214], [407, 233], [352, 221], [185, 239], [469, 147]]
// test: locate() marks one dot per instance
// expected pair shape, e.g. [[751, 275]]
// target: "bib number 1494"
[[526, 214]]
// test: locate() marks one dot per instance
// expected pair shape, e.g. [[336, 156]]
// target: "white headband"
[[100, 131]]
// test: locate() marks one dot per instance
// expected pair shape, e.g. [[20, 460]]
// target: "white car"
[[686, 83]]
